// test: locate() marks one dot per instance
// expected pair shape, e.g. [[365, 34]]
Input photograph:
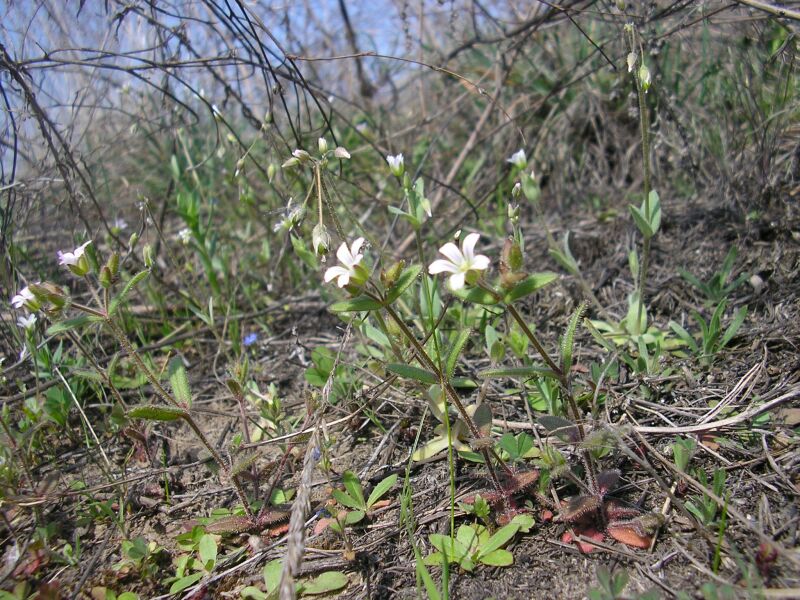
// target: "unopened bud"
[[516, 190], [322, 144], [301, 155], [644, 77], [271, 169], [133, 239], [389, 276], [320, 239], [341, 152], [105, 277], [268, 117], [513, 212], [147, 256], [113, 263]]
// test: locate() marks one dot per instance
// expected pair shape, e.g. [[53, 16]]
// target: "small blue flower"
[[316, 454], [250, 339]]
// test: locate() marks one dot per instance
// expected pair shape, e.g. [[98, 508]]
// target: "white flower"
[[185, 235], [27, 322], [119, 224], [518, 159], [349, 259], [341, 152], [460, 262], [72, 258], [631, 60], [322, 145], [24, 296], [396, 165]]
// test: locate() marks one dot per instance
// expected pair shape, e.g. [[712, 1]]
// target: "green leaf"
[[501, 537], [151, 412], [357, 304], [498, 558], [641, 222], [425, 576], [528, 286], [523, 372], [403, 282], [381, 489], [346, 500], [476, 295], [207, 551], [354, 516], [179, 382], [353, 487], [185, 582], [568, 341], [685, 336], [455, 351], [415, 373], [738, 319], [564, 257], [655, 211], [326, 582], [123, 295], [253, 593], [525, 522], [272, 574], [70, 324]]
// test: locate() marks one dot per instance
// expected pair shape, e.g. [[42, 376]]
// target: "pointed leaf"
[[528, 286], [70, 324], [179, 381], [381, 489], [207, 551], [563, 428], [122, 296], [416, 373], [357, 304], [501, 537], [455, 351], [353, 487], [641, 222], [346, 500], [523, 372], [407, 277], [156, 413], [230, 525]]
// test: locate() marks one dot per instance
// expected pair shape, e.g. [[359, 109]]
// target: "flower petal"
[[468, 245], [451, 251], [344, 279], [344, 256], [442, 266], [480, 262], [334, 272], [356, 247], [457, 281]]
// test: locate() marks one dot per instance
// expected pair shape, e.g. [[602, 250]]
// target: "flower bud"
[[322, 144], [113, 264], [396, 165], [147, 256], [516, 190], [644, 77], [631, 61], [133, 239], [320, 240], [49, 293], [271, 169], [341, 152], [621, 5], [301, 155], [105, 277], [292, 162], [268, 118], [513, 212], [389, 276]]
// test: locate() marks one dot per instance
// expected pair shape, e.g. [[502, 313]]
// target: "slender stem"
[[423, 357], [222, 464], [126, 344]]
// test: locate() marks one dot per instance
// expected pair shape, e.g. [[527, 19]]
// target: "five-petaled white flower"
[[349, 259], [518, 159], [74, 257], [185, 236], [396, 165], [24, 296], [27, 322], [460, 262]]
